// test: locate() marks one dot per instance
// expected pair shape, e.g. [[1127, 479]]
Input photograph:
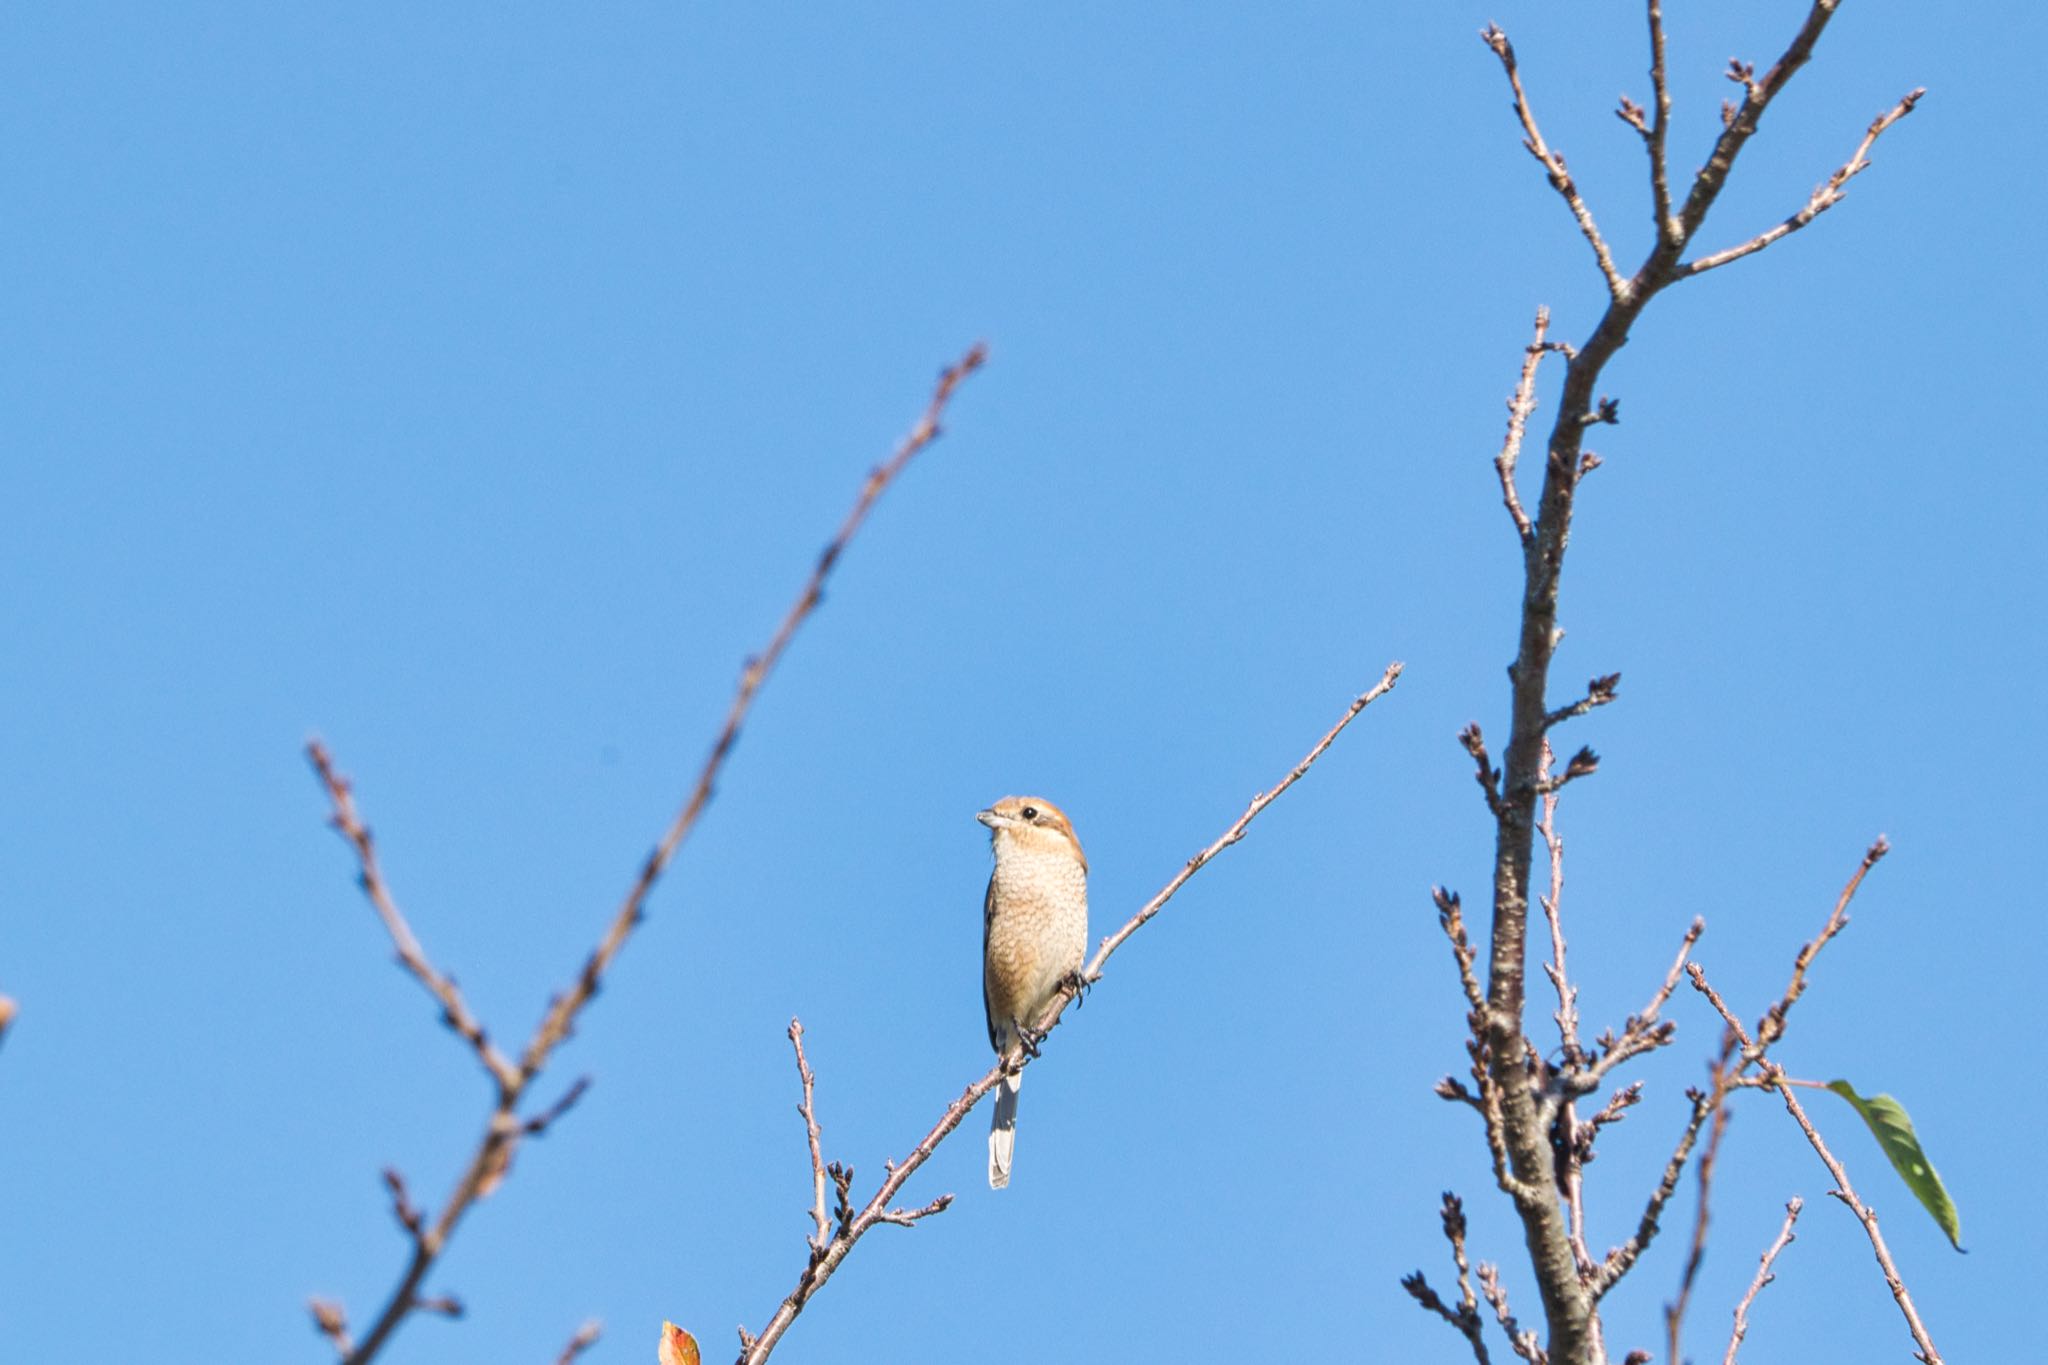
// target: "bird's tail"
[[1002, 1132]]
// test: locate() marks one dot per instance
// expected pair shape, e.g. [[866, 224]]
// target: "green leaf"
[[1894, 1132]]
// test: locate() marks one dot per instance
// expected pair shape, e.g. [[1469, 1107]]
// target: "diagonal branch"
[[1553, 163], [491, 1160], [853, 1225], [1831, 193], [561, 1015], [1093, 971], [1772, 1026]]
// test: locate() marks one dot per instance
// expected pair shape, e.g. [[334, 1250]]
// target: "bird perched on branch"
[[1034, 937]]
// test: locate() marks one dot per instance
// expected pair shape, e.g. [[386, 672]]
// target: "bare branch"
[[492, 1158], [880, 1208], [1772, 1026], [1553, 163], [1846, 1192], [1829, 194], [1093, 971], [1763, 1277]]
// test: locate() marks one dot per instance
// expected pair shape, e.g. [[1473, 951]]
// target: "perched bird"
[[1034, 937]]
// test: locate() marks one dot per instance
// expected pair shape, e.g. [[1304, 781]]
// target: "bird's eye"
[[1030, 812]]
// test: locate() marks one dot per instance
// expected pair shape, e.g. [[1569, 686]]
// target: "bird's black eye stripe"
[[1031, 812]]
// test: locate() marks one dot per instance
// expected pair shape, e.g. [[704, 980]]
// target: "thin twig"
[[810, 1115], [1553, 162], [1519, 408], [880, 1207], [539, 1124], [1772, 1026], [1657, 133], [1829, 194], [1763, 1277], [1093, 971], [490, 1161], [1450, 916]]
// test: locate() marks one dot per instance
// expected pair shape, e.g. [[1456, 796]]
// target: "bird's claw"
[[1029, 1038], [1078, 984]]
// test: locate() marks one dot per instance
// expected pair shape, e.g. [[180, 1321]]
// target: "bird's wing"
[[988, 914]]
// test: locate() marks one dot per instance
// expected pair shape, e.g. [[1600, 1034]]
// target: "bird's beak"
[[987, 817]]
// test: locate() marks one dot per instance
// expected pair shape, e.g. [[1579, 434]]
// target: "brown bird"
[[1034, 937]]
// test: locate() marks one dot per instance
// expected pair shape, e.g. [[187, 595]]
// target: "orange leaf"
[[677, 1346]]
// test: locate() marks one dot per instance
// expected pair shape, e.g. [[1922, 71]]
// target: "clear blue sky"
[[472, 385]]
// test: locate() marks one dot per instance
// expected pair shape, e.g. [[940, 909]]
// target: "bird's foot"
[[1077, 983]]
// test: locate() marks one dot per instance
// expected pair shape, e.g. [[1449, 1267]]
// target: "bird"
[[1034, 936]]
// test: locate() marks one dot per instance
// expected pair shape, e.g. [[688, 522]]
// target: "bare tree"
[[1530, 1107], [428, 1232]]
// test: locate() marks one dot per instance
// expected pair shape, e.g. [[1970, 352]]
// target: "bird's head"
[[1031, 824]]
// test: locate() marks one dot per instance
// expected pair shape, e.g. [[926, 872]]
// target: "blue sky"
[[471, 386]]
